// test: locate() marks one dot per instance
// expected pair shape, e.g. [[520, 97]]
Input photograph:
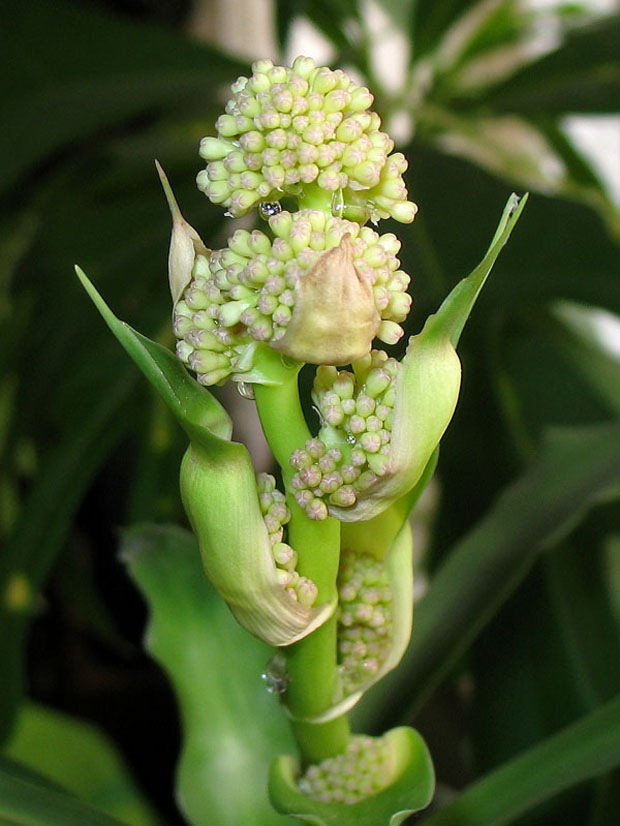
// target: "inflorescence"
[[365, 768], [276, 515], [246, 293], [353, 446], [364, 618], [289, 128]]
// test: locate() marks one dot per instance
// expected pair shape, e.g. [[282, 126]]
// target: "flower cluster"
[[353, 447], [287, 128], [363, 769], [276, 515], [258, 290], [364, 618]]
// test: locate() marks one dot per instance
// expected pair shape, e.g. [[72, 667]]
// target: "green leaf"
[[486, 566], [196, 410], [579, 752], [584, 336], [41, 530], [25, 801], [411, 790], [231, 725], [49, 89], [583, 75], [79, 758]]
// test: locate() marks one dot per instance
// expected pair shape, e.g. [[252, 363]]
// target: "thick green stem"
[[312, 667]]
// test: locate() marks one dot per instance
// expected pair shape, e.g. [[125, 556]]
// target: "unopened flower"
[[289, 129], [366, 767], [319, 292]]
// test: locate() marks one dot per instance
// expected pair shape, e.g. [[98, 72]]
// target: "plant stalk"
[[311, 662]]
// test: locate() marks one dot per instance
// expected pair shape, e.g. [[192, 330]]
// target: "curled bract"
[[239, 531], [238, 523], [376, 780], [185, 243], [382, 422]]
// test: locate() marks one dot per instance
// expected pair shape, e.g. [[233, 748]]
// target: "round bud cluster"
[[365, 768], [286, 128], [246, 292], [276, 515], [364, 618], [353, 447]]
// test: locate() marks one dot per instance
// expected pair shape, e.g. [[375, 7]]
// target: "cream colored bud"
[[335, 318], [185, 244]]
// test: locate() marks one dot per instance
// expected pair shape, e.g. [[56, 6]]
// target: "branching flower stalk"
[[323, 569]]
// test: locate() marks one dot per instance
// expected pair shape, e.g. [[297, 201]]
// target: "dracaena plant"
[[320, 567]]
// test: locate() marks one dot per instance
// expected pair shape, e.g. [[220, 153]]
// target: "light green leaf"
[[579, 752], [232, 727], [411, 790], [80, 759]]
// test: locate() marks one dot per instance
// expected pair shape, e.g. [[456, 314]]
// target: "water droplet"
[[274, 676], [268, 208], [338, 203], [351, 439], [245, 390]]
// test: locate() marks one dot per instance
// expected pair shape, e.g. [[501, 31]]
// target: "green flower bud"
[[319, 292]]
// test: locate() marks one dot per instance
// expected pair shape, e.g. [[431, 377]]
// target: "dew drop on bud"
[[267, 209], [274, 676], [245, 390]]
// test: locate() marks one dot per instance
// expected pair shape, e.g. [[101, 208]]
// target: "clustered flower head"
[[364, 618], [289, 128], [365, 768], [352, 449], [276, 515], [292, 292]]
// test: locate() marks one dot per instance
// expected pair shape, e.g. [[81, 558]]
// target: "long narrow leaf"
[[579, 752], [578, 467]]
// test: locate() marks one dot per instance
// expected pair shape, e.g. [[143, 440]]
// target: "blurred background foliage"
[[515, 655]]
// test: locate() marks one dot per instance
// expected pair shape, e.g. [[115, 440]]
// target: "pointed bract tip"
[[175, 210]]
